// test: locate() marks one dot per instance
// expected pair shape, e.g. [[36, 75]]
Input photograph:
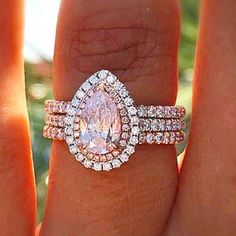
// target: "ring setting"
[[102, 125]]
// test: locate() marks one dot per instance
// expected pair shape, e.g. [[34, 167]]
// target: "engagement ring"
[[102, 125]]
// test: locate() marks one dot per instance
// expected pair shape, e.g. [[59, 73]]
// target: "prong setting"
[[103, 80], [102, 125]]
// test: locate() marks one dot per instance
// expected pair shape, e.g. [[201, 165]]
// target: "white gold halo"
[[129, 121]]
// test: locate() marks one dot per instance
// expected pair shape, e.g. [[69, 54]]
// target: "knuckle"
[[129, 41]]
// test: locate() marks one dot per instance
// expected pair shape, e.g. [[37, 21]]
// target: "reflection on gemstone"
[[100, 124]]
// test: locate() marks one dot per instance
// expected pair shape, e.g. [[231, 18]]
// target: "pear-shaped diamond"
[[100, 124]]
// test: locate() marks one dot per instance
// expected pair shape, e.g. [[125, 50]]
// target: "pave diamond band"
[[60, 107], [102, 125], [166, 137], [145, 124], [161, 111]]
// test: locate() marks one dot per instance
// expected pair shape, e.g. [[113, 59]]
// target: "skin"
[[17, 187], [145, 196]]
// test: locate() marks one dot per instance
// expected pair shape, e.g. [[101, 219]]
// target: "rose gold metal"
[[167, 137], [176, 112]]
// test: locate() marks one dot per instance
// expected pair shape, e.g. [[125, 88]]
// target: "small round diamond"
[[151, 111], [68, 131], [155, 125], [150, 138], [118, 85], [70, 140], [73, 149], [162, 125], [80, 94], [120, 105], [103, 158], [123, 143], [168, 125], [130, 149], [116, 163], [173, 112], [109, 156], [93, 79], [68, 120], [128, 101], [79, 157], [124, 157], [168, 111], [97, 166], [124, 120], [132, 110], [160, 111], [117, 99], [107, 166], [134, 119], [125, 135], [145, 125], [142, 138], [172, 137], [86, 86], [159, 137], [111, 79], [123, 112], [87, 163], [75, 102], [134, 140], [90, 156], [103, 74], [71, 110], [135, 130], [166, 138], [176, 124], [124, 93], [125, 127], [142, 111], [112, 93]]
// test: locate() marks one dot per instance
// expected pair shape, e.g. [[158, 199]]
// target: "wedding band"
[[166, 137], [102, 126], [145, 124], [60, 107]]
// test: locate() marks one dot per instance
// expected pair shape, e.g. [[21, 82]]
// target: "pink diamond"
[[100, 124]]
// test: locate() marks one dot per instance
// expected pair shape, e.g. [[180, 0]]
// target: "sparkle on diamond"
[[100, 124]]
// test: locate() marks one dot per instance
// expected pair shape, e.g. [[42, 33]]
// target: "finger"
[[137, 41], [17, 193], [206, 199]]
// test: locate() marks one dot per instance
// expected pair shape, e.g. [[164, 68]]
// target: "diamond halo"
[[107, 82], [102, 125]]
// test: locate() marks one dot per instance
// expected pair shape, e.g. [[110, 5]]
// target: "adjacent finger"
[[17, 190], [137, 41], [206, 199]]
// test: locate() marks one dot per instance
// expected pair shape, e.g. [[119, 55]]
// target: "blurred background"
[[41, 17]]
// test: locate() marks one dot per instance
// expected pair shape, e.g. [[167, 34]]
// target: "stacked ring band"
[[102, 126]]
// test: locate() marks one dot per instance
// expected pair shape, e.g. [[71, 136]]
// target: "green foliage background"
[[39, 88]]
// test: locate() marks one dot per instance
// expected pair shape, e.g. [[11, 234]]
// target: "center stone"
[[100, 124]]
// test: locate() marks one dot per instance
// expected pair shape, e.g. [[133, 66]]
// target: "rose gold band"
[[176, 112], [167, 137], [146, 124]]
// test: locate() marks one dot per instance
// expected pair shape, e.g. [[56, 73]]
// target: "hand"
[[137, 40]]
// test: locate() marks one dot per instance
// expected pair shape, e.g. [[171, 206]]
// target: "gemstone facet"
[[100, 124]]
